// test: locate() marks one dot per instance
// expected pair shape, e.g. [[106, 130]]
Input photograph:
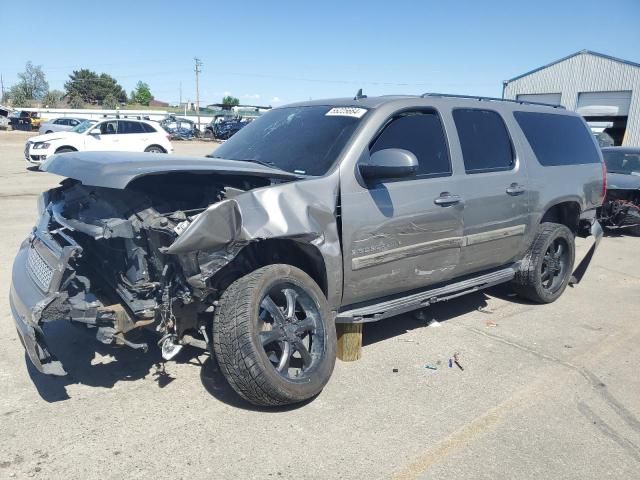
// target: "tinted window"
[[305, 140], [73, 123], [421, 133], [558, 139], [108, 128], [61, 121], [125, 127], [621, 161], [148, 128], [484, 140]]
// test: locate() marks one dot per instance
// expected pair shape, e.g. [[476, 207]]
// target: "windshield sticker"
[[354, 112]]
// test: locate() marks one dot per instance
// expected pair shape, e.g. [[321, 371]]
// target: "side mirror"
[[389, 163], [95, 131]]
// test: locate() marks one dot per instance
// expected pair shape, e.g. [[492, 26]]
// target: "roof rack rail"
[[490, 99]]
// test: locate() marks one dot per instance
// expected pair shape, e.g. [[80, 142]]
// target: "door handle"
[[515, 189], [445, 199]]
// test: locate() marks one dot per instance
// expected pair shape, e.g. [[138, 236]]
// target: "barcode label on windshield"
[[354, 112]]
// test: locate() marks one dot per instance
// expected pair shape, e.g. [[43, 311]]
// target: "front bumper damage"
[[46, 287]]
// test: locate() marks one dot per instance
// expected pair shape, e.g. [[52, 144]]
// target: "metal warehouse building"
[[605, 90]]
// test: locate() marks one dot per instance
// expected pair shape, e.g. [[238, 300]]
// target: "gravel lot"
[[546, 391]]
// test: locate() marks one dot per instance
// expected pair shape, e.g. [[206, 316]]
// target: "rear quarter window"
[[148, 128], [558, 139]]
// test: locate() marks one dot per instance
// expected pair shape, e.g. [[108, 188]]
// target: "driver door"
[[106, 141], [398, 234]]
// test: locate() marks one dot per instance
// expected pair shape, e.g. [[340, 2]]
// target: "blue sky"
[[277, 52]]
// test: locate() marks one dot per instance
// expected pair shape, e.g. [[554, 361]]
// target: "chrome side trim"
[[404, 252]]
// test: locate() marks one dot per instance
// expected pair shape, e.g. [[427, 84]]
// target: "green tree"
[[142, 93], [18, 97], [75, 100], [110, 102], [52, 98], [94, 88], [229, 101], [33, 82]]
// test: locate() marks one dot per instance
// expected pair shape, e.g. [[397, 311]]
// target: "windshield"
[[622, 162], [302, 140], [82, 126]]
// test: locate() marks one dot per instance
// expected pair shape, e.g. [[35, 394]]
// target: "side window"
[[557, 139], [60, 121], [73, 123], [126, 127], [109, 128], [148, 128], [422, 134], [485, 142]]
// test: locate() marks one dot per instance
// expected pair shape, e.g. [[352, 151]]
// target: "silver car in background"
[[62, 124]]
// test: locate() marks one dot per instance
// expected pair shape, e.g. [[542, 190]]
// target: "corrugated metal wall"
[[585, 72]]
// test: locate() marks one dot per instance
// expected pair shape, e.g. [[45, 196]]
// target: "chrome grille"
[[39, 270], [26, 150]]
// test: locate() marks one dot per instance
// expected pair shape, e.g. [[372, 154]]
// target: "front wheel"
[[274, 336], [546, 269]]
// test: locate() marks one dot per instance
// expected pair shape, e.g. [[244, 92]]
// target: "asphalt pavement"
[[544, 391]]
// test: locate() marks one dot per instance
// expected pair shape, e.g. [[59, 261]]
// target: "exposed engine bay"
[[119, 276], [621, 209]]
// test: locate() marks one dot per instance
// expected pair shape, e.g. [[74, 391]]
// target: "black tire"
[[247, 351], [154, 149], [547, 267], [208, 134], [66, 150], [635, 230], [47, 132]]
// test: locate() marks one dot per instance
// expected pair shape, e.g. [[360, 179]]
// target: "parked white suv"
[[109, 135]]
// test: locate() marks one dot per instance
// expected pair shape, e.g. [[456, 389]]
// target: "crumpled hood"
[[118, 169], [49, 137], [622, 181]]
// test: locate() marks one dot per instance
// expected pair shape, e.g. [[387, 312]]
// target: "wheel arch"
[[155, 145], [566, 212], [69, 147], [300, 254]]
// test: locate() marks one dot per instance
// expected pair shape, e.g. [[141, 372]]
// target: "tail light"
[[604, 181]]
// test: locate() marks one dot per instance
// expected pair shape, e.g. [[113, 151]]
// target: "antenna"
[[359, 95]]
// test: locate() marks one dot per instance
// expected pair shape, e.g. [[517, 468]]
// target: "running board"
[[389, 308]]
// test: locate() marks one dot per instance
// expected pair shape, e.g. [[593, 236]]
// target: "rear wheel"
[[546, 269], [154, 149], [274, 337]]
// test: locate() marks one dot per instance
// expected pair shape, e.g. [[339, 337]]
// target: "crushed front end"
[[98, 257]]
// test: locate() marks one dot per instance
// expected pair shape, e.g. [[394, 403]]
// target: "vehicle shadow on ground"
[[214, 382], [441, 312], [89, 362]]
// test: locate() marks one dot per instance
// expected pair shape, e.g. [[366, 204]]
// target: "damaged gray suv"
[[317, 213]]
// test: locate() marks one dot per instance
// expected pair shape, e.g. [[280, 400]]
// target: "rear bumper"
[[594, 230]]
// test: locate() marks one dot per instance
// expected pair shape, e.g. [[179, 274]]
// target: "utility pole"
[[198, 65], [1, 87], [180, 102]]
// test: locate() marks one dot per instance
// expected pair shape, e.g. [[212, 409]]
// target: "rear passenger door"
[[494, 189], [395, 236], [133, 137]]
